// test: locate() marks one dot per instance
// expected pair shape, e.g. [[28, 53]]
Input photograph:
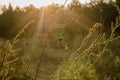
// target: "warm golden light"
[[36, 3]]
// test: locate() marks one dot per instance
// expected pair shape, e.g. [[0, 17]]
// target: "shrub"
[[95, 59]]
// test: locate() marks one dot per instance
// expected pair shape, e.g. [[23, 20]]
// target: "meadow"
[[55, 42]]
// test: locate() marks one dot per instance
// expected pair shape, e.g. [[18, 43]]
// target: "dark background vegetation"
[[13, 19]]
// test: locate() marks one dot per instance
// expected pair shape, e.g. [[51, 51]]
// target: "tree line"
[[97, 11]]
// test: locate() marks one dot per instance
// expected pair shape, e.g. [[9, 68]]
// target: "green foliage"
[[96, 61], [13, 20], [10, 59], [97, 57]]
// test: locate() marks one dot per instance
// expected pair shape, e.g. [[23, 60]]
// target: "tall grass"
[[10, 59], [95, 59]]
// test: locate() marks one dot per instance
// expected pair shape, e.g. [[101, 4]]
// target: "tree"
[[3, 8], [118, 3], [75, 5]]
